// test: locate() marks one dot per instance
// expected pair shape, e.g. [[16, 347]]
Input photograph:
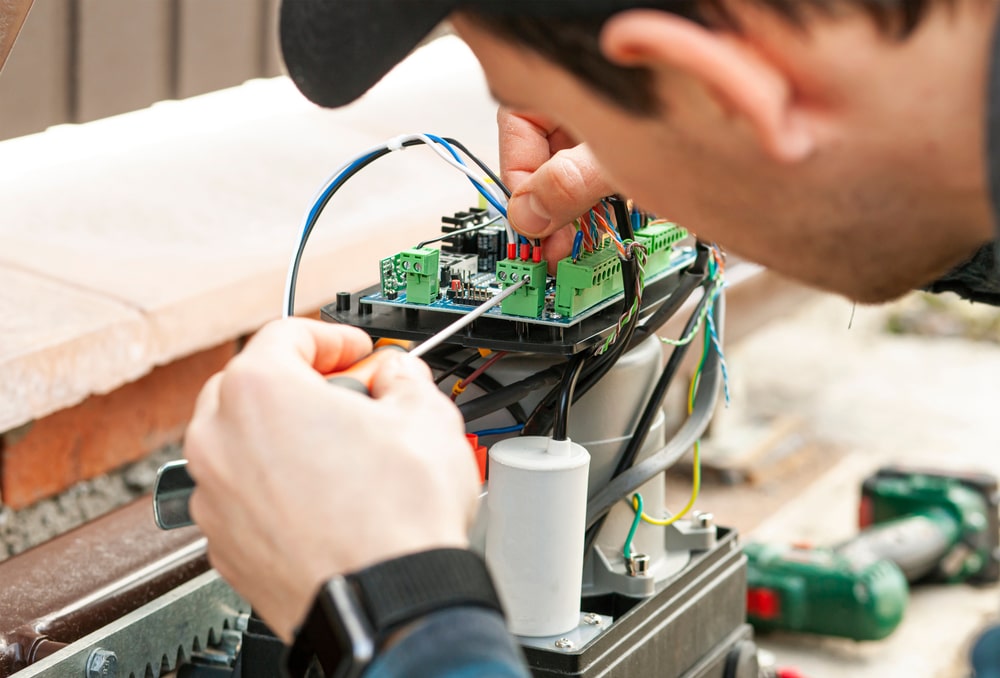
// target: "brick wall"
[[104, 432]]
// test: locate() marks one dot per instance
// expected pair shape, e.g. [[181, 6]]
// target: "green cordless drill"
[[916, 526]]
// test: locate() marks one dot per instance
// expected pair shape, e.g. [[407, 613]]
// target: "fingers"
[[564, 187], [558, 246], [526, 142], [322, 347]]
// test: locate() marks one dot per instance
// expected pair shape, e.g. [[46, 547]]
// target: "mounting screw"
[[638, 565], [564, 644], [592, 619], [102, 664], [705, 519]]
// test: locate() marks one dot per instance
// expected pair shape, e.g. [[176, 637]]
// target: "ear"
[[731, 70]]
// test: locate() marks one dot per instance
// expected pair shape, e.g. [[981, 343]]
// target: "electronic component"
[[464, 243], [530, 300], [457, 267], [392, 278], [595, 276], [422, 268], [659, 239]]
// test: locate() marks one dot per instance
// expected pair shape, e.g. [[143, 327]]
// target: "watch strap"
[[352, 616], [396, 592]]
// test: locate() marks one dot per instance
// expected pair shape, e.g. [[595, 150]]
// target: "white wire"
[[484, 182]]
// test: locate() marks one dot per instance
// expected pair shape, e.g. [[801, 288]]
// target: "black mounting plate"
[[498, 334]]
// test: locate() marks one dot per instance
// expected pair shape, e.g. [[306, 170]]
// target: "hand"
[[299, 480], [553, 180]]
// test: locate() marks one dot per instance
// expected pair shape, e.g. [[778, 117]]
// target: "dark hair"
[[572, 42]]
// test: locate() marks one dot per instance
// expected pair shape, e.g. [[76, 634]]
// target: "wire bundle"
[[488, 184]]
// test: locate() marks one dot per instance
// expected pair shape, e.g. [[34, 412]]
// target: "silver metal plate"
[[158, 635]]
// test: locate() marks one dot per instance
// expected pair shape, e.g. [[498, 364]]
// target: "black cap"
[[335, 50]]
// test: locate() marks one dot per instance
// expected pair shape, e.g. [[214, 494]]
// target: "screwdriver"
[[174, 485]]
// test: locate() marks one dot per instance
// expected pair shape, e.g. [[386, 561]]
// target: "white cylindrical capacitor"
[[537, 505]]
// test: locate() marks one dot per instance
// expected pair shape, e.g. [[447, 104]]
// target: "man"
[[840, 142]]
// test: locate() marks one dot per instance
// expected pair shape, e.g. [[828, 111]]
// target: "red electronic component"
[[481, 454], [866, 512], [456, 284], [511, 250], [763, 603], [536, 254], [525, 252]]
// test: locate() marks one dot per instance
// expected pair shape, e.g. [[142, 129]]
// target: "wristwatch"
[[353, 615]]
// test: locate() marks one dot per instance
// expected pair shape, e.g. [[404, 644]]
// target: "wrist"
[[355, 616]]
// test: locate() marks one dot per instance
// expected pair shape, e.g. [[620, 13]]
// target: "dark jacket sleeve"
[[978, 279], [461, 642]]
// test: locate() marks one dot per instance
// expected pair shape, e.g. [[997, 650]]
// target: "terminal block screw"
[[102, 664], [564, 644]]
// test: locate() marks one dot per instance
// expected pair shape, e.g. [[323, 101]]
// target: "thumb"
[[560, 190]]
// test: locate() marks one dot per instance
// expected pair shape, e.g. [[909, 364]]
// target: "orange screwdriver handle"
[[359, 376]]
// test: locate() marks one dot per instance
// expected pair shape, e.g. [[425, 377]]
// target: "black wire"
[[484, 381], [480, 164], [457, 366], [566, 388], [510, 394], [470, 229], [545, 413], [651, 410]]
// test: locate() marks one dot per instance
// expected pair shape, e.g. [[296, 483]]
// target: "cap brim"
[[336, 50]]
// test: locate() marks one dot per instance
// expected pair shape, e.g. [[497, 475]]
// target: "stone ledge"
[[133, 241]]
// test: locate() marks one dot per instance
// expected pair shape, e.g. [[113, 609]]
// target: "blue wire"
[[479, 187], [331, 188], [577, 244], [499, 431], [607, 218], [718, 347]]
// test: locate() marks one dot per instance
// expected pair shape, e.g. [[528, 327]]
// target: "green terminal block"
[[529, 301], [594, 277], [659, 240], [422, 269]]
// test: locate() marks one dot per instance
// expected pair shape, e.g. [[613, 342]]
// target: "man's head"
[[837, 141]]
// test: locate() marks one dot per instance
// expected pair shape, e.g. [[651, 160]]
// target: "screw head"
[[592, 619], [705, 519], [564, 644], [514, 277], [501, 275], [102, 664]]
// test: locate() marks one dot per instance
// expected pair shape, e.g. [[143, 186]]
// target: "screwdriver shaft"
[[470, 317]]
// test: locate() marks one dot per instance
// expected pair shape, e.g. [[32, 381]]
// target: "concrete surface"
[[20, 530], [865, 398]]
